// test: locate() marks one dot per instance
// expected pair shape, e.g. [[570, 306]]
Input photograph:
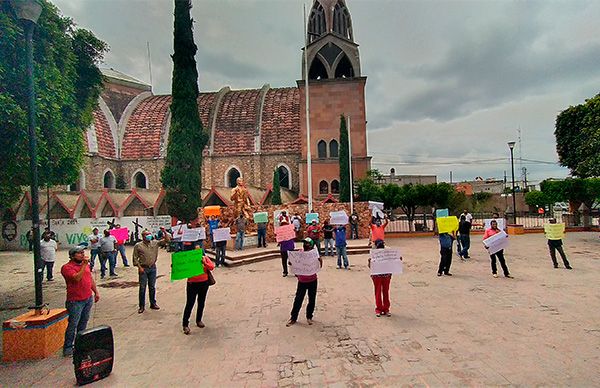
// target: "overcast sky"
[[449, 82]]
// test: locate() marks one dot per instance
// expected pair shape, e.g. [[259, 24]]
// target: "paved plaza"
[[541, 328]]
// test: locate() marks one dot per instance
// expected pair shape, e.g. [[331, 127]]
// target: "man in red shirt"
[[314, 233], [377, 230], [80, 286]]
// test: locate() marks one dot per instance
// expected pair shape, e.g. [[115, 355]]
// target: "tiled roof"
[[236, 123], [104, 137], [205, 102], [143, 134], [280, 129]]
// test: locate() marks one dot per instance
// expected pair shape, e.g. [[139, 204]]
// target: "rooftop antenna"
[[149, 63]]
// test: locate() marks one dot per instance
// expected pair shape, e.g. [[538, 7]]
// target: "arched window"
[[335, 187], [333, 149], [344, 68], [232, 177], [139, 180], [109, 180], [323, 187], [284, 177], [322, 149], [317, 70]]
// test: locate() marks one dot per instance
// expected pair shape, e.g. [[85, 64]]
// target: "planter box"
[[31, 337], [515, 229]]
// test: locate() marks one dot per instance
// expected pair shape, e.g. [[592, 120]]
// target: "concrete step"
[[237, 259]]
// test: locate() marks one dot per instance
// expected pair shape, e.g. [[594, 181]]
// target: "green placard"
[[261, 217], [186, 264]]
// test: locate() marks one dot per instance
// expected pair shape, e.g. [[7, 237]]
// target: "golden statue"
[[241, 199]]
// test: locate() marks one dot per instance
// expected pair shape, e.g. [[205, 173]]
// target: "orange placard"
[[212, 211]]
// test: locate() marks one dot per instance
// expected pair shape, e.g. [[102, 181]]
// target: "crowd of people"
[[82, 291]]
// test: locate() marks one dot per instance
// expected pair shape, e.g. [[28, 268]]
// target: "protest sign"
[[285, 232], [194, 234], [304, 263], [496, 242], [447, 224], [312, 216], [441, 213], [554, 231], [261, 217], [487, 223], [338, 218], [212, 211], [375, 205], [178, 231], [186, 264], [221, 234], [121, 234], [384, 261]]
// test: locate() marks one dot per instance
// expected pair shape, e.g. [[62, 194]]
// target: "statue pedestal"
[[30, 336], [250, 241]]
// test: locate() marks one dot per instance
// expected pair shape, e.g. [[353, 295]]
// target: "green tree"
[[577, 133], [67, 83], [344, 160], [276, 194], [181, 175], [537, 199], [574, 190], [480, 199], [409, 198], [367, 189], [458, 202]]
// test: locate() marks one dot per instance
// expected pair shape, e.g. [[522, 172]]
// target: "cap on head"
[[75, 250], [308, 242]]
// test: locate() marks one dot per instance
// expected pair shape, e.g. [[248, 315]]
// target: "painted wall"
[[70, 232]]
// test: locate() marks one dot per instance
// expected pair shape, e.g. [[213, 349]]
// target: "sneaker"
[[447, 274], [509, 276], [290, 323], [388, 314], [495, 275], [568, 267], [141, 310], [377, 315], [114, 275], [285, 275], [186, 330], [339, 267], [439, 274], [51, 280], [555, 265], [155, 307]]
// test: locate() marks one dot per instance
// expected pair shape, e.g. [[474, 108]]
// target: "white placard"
[[338, 218], [487, 223], [194, 234], [304, 263], [221, 234], [496, 242], [178, 231], [386, 261], [375, 205]]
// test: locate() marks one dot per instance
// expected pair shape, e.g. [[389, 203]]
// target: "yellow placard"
[[554, 231], [447, 224]]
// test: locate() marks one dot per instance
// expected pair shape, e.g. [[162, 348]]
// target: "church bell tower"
[[336, 87]]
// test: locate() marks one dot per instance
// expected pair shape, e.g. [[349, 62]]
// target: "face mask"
[[149, 237]]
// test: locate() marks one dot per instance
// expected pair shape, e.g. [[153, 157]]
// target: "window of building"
[[335, 187], [284, 177], [232, 177], [322, 149], [323, 187], [139, 180], [333, 149], [109, 180]]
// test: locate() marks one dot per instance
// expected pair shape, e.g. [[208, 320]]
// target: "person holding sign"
[[314, 233], [554, 233], [381, 284], [340, 246], [328, 238], [145, 254], [377, 230], [446, 240], [197, 288], [499, 254], [305, 283]]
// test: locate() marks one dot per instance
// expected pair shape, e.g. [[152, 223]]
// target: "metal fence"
[[425, 222]]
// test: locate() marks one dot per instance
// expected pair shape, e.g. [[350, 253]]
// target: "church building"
[[252, 132]]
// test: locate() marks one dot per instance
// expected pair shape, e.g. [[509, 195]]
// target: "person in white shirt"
[[468, 216], [94, 243], [108, 252], [48, 249]]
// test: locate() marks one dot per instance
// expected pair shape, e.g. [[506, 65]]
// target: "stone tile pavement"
[[541, 328]]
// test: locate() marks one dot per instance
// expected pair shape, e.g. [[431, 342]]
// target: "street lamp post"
[[511, 145], [28, 12]]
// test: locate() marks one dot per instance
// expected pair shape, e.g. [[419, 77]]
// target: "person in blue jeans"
[[464, 237], [94, 245], [213, 223], [340, 246], [261, 230], [80, 287], [145, 254], [240, 224]]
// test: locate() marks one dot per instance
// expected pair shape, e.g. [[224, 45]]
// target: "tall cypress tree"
[[181, 175], [344, 159], [276, 194]]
